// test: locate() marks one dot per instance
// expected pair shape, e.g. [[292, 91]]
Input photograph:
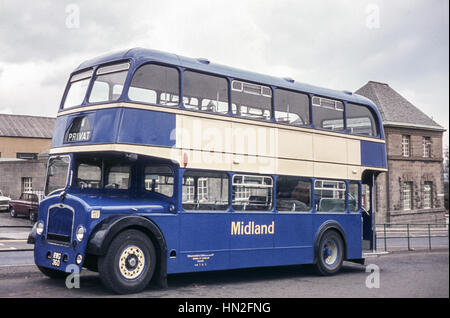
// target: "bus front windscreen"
[[57, 172], [77, 88]]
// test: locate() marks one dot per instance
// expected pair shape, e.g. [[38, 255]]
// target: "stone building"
[[24, 142], [412, 190]]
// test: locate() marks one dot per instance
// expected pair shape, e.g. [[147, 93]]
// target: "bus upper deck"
[[203, 115]]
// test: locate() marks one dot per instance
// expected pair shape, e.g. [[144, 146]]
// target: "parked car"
[[27, 205], [4, 202]]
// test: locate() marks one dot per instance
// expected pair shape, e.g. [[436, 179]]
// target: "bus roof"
[[139, 56]]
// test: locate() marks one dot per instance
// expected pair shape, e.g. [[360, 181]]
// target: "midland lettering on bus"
[[238, 228]]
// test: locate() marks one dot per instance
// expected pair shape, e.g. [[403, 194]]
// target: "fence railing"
[[404, 235]]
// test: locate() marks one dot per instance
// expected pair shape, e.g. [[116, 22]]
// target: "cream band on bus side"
[[232, 144]]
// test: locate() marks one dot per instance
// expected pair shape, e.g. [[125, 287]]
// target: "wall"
[[12, 172], [415, 169], [10, 146]]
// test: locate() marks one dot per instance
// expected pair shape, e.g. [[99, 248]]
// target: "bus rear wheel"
[[129, 263], [330, 253]]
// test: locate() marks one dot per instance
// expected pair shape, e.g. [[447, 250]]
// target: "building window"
[[406, 145], [202, 184], [426, 147], [188, 191], [27, 184], [407, 195], [26, 155], [427, 202]]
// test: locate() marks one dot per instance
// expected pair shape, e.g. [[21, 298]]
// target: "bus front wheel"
[[330, 253], [129, 263]]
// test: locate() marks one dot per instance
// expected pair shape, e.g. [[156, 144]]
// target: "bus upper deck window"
[[155, 84], [109, 82], [251, 100], [361, 121], [211, 91], [328, 113], [78, 85], [291, 107]]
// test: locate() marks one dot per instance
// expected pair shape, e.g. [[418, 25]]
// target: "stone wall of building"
[[13, 172], [415, 169]]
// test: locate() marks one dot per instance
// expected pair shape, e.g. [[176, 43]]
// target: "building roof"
[[395, 110], [26, 126]]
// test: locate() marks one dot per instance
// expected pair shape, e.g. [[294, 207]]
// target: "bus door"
[[368, 212], [204, 220]]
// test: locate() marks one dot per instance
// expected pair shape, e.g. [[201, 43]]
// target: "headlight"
[[40, 228], [80, 233]]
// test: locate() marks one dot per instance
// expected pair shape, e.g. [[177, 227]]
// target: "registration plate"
[[56, 259]]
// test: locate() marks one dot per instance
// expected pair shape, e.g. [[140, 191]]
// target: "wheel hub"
[[131, 262], [330, 252]]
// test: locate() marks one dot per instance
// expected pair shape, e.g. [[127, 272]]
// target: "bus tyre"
[[330, 253], [129, 263]]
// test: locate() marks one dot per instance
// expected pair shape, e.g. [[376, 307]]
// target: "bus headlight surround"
[[79, 234], [40, 228], [78, 259]]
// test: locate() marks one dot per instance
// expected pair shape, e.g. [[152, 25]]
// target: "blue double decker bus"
[[164, 164]]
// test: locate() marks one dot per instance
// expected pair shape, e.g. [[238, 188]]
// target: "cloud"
[[326, 43]]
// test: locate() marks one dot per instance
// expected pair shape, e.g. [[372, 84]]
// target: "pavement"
[[420, 274]]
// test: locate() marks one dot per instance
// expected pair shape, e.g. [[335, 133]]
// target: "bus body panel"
[[350, 224], [119, 125], [204, 241]]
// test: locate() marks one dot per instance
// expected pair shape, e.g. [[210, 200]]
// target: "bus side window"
[[291, 108], [251, 100], [293, 194], [252, 193], [159, 179], [329, 195], [205, 191], [328, 113], [155, 84], [353, 196], [361, 121], [88, 175], [211, 91], [118, 177]]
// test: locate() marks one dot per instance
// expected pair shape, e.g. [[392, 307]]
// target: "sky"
[[337, 44]]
